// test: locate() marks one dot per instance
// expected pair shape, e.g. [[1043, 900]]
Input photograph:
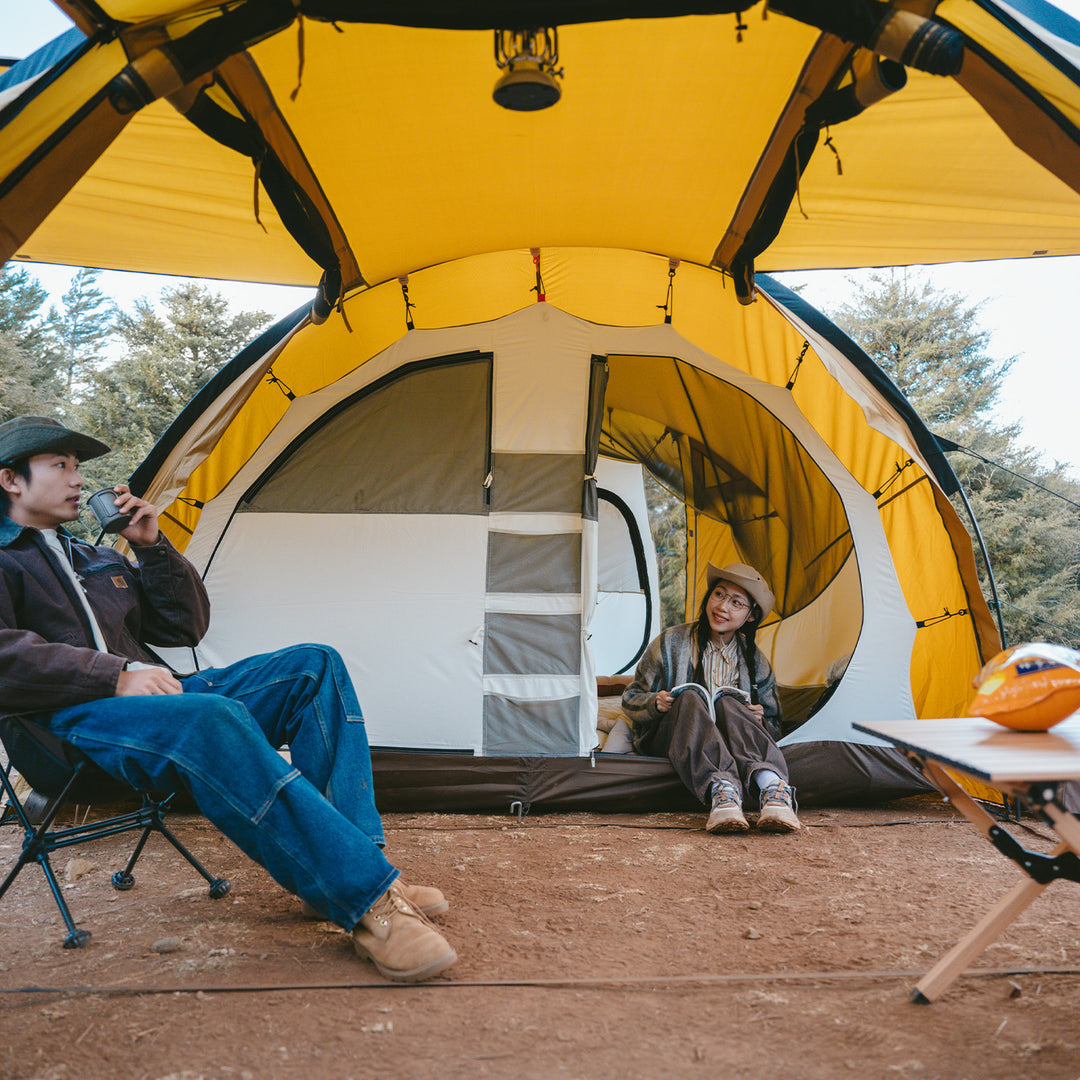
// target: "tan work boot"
[[726, 815], [426, 897], [778, 809], [399, 941]]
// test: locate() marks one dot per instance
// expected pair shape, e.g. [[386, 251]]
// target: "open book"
[[724, 691]]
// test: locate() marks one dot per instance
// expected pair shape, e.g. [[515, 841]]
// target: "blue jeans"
[[312, 824]]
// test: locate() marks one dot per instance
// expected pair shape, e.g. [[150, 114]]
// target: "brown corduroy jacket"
[[48, 659]]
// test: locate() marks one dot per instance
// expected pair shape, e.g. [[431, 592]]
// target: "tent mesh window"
[[417, 443]]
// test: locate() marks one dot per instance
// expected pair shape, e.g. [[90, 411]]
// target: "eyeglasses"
[[736, 603]]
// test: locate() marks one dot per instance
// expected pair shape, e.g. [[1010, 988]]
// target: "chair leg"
[[38, 844], [151, 819], [39, 853], [76, 938], [124, 879], [36, 848], [219, 887]]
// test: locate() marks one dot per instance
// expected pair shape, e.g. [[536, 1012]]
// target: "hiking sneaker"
[[427, 898], [396, 937], [778, 809], [726, 815]]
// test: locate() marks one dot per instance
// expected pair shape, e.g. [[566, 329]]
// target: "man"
[[75, 623]]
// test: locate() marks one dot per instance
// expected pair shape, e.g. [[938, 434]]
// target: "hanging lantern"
[[529, 58]]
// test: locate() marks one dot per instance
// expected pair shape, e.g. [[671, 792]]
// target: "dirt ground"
[[591, 947]]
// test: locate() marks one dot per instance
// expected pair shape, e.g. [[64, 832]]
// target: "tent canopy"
[[381, 148], [358, 145]]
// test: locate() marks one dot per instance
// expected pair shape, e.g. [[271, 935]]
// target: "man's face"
[[50, 497]]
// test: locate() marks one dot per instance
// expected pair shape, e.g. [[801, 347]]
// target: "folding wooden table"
[[1031, 766]]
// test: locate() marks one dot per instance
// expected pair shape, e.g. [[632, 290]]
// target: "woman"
[[717, 757]]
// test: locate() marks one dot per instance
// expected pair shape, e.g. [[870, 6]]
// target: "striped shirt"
[[720, 665]]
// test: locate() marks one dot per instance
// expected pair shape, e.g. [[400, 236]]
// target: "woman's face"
[[727, 608]]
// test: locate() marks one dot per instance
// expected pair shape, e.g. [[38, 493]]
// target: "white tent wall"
[[409, 602], [269, 589]]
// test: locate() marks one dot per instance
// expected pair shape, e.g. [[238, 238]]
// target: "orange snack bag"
[[1028, 687]]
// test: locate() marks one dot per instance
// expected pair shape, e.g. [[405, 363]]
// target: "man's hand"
[[758, 712], [151, 680], [143, 527]]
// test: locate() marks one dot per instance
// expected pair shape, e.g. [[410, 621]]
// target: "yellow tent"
[[587, 271], [373, 129]]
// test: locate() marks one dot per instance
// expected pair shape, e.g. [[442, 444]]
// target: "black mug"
[[103, 506]]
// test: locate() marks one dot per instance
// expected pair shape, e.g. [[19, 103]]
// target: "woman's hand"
[[663, 701], [758, 712]]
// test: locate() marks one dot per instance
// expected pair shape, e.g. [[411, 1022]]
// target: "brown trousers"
[[733, 748]]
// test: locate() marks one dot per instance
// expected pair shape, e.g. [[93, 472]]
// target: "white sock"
[[765, 778]]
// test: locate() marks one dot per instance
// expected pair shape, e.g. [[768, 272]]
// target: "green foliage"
[[166, 358], [667, 519], [122, 376], [19, 395], [929, 344], [80, 329], [28, 358]]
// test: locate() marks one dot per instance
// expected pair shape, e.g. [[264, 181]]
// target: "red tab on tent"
[[538, 288]]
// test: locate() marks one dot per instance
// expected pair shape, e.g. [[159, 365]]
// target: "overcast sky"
[[1027, 305]]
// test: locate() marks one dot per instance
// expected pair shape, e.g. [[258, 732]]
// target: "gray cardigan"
[[671, 659]]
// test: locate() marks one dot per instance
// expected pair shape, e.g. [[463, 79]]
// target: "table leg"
[[1065, 824], [942, 975]]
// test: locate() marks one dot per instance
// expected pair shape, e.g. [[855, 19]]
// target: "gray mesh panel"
[[416, 445], [538, 483], [532, 644], [534, 564], [544, 728]]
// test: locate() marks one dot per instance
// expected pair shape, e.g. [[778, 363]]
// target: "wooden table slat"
[[987, 750]]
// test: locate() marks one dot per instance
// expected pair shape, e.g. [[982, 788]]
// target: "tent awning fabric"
[[276, 146]]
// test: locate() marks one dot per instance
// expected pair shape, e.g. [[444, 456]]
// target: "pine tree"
[[81, 329], [18, 393], [167, 358], [929, 343], [28, 358], [21, 301]]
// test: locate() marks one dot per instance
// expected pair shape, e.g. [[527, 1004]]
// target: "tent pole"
[[986, 560]]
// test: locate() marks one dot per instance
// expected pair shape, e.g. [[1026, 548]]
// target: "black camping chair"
[[56, 769]]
